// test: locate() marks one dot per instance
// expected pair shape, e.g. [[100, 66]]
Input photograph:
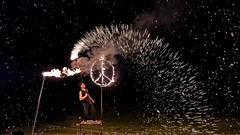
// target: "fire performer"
[[87, 103]]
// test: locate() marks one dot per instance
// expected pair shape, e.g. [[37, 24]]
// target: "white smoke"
[[108, 52], [78, 47]]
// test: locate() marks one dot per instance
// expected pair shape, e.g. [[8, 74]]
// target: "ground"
[[127, 124]]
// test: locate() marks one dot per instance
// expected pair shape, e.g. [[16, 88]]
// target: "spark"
[[162, 81]]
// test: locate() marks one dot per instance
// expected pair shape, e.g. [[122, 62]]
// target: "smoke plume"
[[85, 61], [163, 15]]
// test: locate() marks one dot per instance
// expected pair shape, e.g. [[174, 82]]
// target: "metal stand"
[[101, 103], [39, 99], [101, 82], [102, 79]]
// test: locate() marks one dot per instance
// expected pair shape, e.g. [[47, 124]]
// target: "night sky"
[[38, 36]]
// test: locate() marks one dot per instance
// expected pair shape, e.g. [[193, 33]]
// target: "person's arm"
[[91, 99], [81, 97]]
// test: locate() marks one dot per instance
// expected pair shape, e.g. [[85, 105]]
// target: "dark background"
[[38, 36]]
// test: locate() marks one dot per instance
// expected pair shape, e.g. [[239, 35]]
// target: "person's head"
[[82, 86]]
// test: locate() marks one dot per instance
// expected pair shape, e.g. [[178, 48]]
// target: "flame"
[[61, 73]]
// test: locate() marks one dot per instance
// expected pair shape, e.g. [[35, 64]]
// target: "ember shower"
[[164, 84]]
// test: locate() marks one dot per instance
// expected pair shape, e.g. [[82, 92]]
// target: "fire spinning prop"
[[101, 77], [53, 73]]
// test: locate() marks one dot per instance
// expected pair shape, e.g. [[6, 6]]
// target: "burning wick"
[[61, 74]]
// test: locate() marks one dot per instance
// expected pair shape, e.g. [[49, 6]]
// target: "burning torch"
[[53, 73]]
